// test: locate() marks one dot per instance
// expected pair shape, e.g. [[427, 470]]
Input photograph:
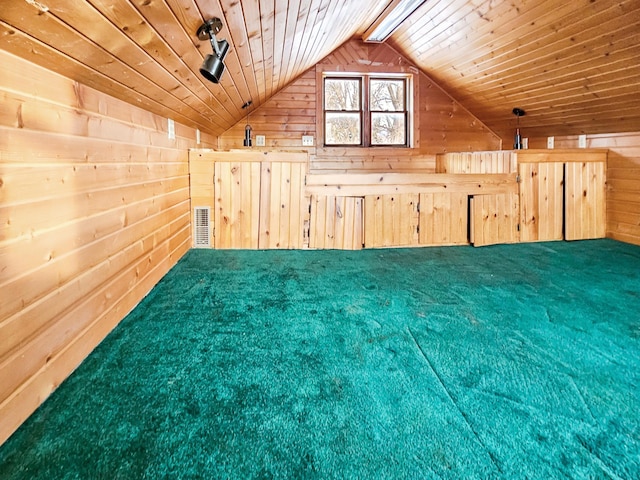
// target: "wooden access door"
[[444, 218], [585, 208], [283, 206], [336, 222], [259, 205], [541, 201], [562, 200], [237, 204], [494, 219], [391, 220]]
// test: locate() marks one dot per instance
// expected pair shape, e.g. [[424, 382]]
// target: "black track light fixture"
[[518, 112], [213, 66], [247, 128]]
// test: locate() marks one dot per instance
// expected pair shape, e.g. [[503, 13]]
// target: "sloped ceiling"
[[572, 66]]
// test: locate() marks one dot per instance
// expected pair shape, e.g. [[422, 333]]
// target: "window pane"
[[342, 129], [388, 129], [387, 95], [341, 94]]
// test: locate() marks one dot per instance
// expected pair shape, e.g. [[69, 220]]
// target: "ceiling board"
[[573, 66]]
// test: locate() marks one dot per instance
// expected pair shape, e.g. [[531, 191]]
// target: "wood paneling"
[[623, 180], [237, 204], [573, 67], [391, 220], [147, 53], [494, 219], [541, 201], [444, 218], [423, 209], [258, 197], [94, 211], [336, 222], [441, 124], [284, 207], [585, 210], [503, 161], [563, 185]]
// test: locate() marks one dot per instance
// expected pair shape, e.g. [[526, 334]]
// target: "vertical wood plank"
[[585, 214], [336, 223], [296, 205], [357, 239], [237, 213], [443, 219], [494, 219], [541, 195], [391, 220], [256, 172], [236, 217], [284, 238], [264, 240], [318, 223]]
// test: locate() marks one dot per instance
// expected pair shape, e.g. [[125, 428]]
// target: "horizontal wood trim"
[[250, 156], [562, 155], [385, 184]]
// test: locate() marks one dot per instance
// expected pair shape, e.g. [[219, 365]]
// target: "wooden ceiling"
[[572, 66]]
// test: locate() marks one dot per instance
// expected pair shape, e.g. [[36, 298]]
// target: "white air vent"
[[201, 230]]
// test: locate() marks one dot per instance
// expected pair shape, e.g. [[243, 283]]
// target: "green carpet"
[[513, 361]]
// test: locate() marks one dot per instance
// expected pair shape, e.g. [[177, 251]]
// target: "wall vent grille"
[[202, 230]]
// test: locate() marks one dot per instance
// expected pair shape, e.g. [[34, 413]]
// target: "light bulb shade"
[[247, 136], [517, 142], [212, 68]]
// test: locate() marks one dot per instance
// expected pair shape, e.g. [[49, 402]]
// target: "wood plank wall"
[[443, 125], [502, 161], [623, 179], [257, 198], [94, 211], [415, 209]]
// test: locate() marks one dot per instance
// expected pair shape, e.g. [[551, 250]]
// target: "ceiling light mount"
[[518, 112], [208, 28], [213, 66]]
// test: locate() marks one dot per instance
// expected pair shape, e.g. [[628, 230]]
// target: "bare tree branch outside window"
[[343, 118], [387, 105]]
